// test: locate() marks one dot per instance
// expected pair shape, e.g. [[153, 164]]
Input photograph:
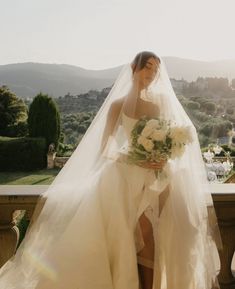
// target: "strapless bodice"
[[128, 124]]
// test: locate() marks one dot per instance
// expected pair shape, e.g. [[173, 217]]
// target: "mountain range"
[[28, 79]]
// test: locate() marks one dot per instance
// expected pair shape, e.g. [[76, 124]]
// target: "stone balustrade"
[[224, 202], [14, 198]]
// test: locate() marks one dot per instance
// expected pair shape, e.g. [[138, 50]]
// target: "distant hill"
[[28, 79], [190, 69]]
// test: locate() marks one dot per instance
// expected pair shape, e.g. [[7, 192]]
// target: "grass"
[[40, 177], [7, 138]]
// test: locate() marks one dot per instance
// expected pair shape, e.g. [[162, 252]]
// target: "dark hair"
[[141, 59]]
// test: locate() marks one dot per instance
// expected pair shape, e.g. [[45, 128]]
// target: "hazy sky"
[[99, 34]]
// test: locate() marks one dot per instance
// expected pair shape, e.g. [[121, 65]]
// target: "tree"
[[229, 110], [210, 107], [193, 105], [44, 119], [13, 113], [216, 128], [218, 84]]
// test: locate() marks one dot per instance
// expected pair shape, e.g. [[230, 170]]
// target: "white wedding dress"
[[88, 235]]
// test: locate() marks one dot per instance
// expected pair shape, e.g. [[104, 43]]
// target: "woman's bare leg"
[[146, 256]]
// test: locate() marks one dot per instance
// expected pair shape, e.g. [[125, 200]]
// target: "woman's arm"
[[153, 165], [111, 121]]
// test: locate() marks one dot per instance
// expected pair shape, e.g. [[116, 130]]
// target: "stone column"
[[225, 211], [9, 233], [50, 160]]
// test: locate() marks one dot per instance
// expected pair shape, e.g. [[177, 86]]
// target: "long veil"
[[188, 218]]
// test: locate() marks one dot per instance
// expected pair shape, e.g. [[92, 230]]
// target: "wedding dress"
[[88, 236]]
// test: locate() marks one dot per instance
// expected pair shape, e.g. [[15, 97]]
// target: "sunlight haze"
[[98, 34]]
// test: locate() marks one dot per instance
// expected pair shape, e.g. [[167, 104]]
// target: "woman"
[[144, 67], [107, 223]]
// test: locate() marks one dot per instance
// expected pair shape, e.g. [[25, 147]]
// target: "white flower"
[[148, 145], [159, 135], [217, 149], [141, 139], [153, 123], [208, 155], [147, 131], [227, 166], [181, 134]]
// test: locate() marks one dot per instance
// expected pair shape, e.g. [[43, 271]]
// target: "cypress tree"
[[44, 119]]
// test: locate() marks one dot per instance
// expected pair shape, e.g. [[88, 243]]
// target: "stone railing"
[[224, 202], [59, 162], [14, 198]]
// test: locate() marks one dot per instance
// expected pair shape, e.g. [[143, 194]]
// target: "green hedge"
[[22, 153]]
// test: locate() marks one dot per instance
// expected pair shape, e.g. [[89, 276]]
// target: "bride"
[[105, 223]]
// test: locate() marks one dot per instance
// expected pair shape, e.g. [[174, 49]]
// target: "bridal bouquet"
[[154, 140]]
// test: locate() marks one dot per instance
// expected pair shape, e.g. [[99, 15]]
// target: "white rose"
[[159, 135], [181, 134], [153, 123], [147, 131], [141, 139], [148, 145]]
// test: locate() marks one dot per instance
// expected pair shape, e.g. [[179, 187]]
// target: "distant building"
[[201, 83], [178, 85], [92, 94]]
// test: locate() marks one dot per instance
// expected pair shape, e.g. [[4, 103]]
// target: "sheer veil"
[[188, 218]]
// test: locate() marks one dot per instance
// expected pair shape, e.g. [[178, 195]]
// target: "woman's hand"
[[153, 165]]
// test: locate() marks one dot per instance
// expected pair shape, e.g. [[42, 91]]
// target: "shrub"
[[22, 154], [193, 105]]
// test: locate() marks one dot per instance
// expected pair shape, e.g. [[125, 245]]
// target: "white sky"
[[99, 34]]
